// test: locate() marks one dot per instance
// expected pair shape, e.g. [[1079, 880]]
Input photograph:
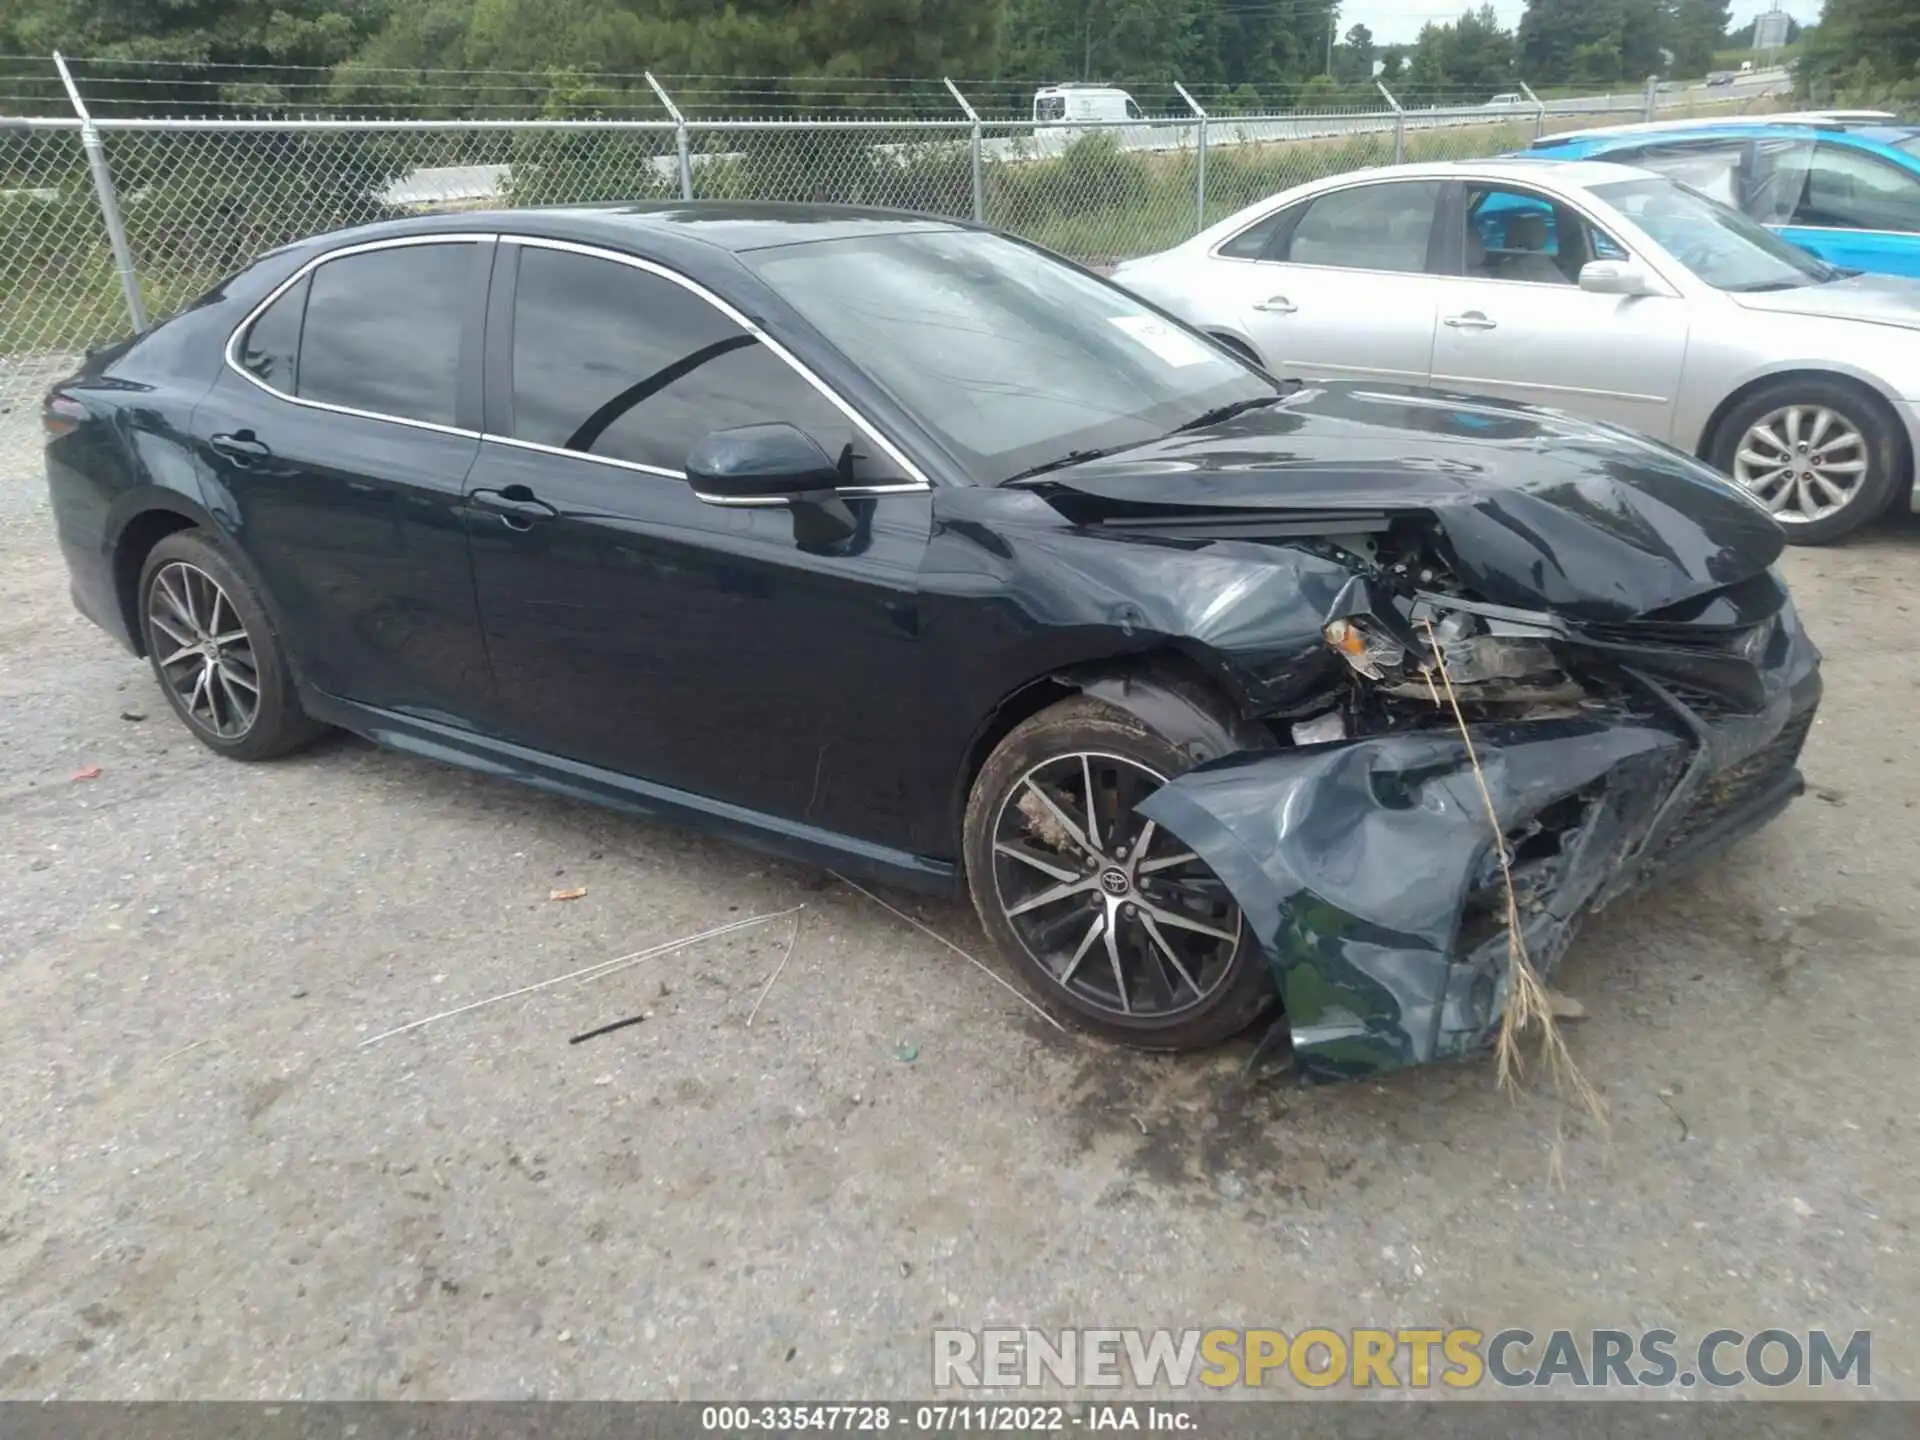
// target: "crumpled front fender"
[[1353, 863]]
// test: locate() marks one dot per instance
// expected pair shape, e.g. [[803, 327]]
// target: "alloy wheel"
[[1119, 913], [210, 668], [1803, 462]]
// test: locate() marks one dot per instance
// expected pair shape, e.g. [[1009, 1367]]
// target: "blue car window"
[[1849, 189]]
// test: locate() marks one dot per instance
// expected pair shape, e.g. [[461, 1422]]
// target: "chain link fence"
[[168, 207], [59, 290]]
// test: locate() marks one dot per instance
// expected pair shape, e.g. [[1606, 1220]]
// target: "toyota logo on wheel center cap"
[[1114, 882]]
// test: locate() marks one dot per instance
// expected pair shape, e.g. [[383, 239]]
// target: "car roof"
[[665, 225], [1878, 140], [1826, 122], [1581, 174]]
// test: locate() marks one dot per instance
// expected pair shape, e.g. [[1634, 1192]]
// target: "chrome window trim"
[[246, 324], [918, 482]]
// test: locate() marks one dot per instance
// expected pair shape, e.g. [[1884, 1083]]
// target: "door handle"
[[516, 505], [1276, 305], [242, 446], [1471, 320]]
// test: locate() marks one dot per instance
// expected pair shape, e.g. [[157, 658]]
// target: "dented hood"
[[1538, 509]]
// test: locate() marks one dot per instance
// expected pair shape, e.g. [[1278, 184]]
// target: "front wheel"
[[1109, 921], [1821, 455]]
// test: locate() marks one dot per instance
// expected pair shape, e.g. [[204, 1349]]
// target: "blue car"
[[1847, 191]]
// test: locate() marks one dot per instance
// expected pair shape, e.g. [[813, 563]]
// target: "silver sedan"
[[1597, 289]]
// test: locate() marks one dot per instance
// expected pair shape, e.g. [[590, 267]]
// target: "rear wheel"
[[215, 652], [1822, 455], [1110, 921]]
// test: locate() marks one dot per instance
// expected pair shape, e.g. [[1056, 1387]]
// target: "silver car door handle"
[[1472, 320], [1277, 305]]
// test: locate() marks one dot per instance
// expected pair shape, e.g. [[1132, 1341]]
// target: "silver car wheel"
[[1120, 914], [204, 652], [1803, 462]]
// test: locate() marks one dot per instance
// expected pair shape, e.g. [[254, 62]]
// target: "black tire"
[[1883, 448], [175, 575], [1219, 982]]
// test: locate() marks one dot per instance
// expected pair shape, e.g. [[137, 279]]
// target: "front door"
[[1345, 292], [339, 452], [1515, 323], [741, 654]]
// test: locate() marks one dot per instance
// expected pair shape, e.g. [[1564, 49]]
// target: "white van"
[[1065, 104]]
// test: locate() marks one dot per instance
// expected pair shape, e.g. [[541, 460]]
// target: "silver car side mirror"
[[1615, 277]]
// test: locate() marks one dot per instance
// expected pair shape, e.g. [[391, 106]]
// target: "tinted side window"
[[1252, 243], [1369, 227], [383, 331], [614, 361], [273, 341]]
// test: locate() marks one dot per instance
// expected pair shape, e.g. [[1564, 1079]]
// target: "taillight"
[[61, 416]]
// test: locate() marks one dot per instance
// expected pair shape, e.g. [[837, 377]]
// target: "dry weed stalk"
[[1528, 1002]]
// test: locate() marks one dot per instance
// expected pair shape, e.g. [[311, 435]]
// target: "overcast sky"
[[1392, 21]]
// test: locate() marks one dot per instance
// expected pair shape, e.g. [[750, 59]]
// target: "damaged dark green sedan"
[[902, 547]]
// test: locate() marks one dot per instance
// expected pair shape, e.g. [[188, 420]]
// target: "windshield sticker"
[[1173, 346]]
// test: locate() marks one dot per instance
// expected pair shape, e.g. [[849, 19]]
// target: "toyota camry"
[[899, 546]]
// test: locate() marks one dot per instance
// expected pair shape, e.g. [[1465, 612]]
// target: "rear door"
[[338, 441], [1514, 322], [1344, 289]]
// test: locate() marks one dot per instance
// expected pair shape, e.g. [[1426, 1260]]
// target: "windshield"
[[1911, 144], [1011, 358], [1714, 241]]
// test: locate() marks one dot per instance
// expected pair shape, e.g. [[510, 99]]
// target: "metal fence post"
[[109, 200], [1539, 111], [979, 177], [1200, 159], [679, 136], [1399, 124], [1653, 97]]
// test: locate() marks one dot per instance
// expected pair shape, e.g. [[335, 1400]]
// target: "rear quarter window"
[[270, 348]]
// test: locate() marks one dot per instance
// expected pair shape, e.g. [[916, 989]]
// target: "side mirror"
[[1615, 277], [760, 462]]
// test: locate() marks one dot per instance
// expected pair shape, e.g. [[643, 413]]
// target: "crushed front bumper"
[[1367, 868]]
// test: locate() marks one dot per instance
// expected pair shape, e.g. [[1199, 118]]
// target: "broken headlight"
[[1366, 646], [1477, 650], [1422, 648]]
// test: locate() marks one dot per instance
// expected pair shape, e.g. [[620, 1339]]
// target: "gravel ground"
[[210, 1188]]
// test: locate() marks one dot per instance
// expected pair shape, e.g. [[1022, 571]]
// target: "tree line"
[[582, 56]]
